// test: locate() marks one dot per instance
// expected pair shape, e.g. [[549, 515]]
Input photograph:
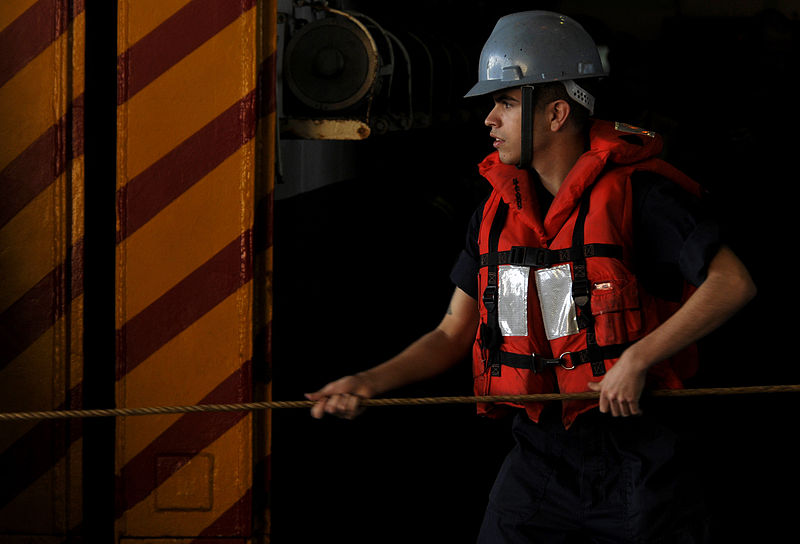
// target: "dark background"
[[361, 269]]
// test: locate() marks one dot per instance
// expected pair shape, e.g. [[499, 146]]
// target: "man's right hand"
[[430, 355], [341, 398]]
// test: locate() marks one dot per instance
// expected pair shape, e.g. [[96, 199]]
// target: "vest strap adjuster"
[[517, 255], [490, 297], [580, 291]]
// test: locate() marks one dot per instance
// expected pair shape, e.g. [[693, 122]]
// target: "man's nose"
[[491, 119]]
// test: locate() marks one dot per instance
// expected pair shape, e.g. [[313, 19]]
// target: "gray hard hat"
[[536, 47]]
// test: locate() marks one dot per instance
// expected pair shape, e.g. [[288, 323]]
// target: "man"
[[590, 267]]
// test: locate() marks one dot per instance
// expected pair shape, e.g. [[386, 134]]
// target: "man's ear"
[[558, 112]]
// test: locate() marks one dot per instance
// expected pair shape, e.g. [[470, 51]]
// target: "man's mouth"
[[497, 140]]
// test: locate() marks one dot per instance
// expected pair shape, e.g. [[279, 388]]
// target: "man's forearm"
[[727, 288], [429, 356]]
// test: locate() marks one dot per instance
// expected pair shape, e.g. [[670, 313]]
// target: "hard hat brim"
[[491, 86]]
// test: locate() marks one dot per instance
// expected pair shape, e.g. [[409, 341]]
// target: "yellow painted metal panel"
[[144, 16], [21, 386], [11, 9], [220, 478], [35, 98], [185, 370], [78, 200], [78, 67], [167, 244], [41, 493], [186, 97], [28, 246], [39, 508], [188, 232], [51, 505]]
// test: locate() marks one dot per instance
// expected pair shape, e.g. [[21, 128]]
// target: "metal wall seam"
[[267, 126]]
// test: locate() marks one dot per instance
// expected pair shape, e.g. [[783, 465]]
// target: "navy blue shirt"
[[674, 235]]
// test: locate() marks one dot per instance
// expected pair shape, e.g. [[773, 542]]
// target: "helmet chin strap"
[[526, 139]]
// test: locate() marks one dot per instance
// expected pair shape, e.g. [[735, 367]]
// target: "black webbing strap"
[[568, 361], [490, 331], [581, 292], [526, 128], [539, 257], [591, 356], [533, 362]]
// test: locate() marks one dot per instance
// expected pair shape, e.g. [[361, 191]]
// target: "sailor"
[[592, 266]]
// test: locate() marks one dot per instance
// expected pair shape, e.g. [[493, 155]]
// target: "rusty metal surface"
[[326, 129]]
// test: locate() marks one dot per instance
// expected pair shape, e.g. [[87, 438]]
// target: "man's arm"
[[430, 355], [727, 288]]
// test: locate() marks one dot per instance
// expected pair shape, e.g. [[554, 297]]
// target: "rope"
[[414, 401]]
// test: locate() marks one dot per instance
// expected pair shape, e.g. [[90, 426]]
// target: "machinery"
[[343, 76]]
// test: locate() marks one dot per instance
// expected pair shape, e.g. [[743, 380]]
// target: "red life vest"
[[584, 246]]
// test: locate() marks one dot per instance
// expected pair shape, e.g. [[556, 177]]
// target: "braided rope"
[[414, 401]]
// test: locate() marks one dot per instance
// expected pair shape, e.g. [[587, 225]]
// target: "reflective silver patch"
[[512, 299], [555, 298]]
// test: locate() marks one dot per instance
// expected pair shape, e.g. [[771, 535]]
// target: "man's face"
[[505, 122]]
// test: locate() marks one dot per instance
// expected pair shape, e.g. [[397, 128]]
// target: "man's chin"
[[507, 159]]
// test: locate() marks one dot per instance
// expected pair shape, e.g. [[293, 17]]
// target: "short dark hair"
[[546, 93]]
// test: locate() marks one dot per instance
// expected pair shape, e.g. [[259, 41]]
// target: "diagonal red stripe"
[[40, 164], [188, 301], [39, 308], [149, 192], [189, 435], [234, 521], [172, 40], [38, 450], [31, 33]]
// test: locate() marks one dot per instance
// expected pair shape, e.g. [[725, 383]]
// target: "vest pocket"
[[617, 311]]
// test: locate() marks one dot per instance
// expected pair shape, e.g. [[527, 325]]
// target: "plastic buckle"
[[490, 297], [580, 292]]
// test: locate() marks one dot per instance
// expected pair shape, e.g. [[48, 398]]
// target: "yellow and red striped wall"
[[194, 161], [41, 261]]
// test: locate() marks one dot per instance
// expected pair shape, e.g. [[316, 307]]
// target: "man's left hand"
[[621, 387]]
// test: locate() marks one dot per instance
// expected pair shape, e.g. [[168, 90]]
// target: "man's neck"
[[554, 163]]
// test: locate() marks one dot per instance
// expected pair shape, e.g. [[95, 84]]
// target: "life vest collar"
[[610, 143], [515, 186]]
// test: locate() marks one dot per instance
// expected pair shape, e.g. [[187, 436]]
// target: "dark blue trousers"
[[605, 480]]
